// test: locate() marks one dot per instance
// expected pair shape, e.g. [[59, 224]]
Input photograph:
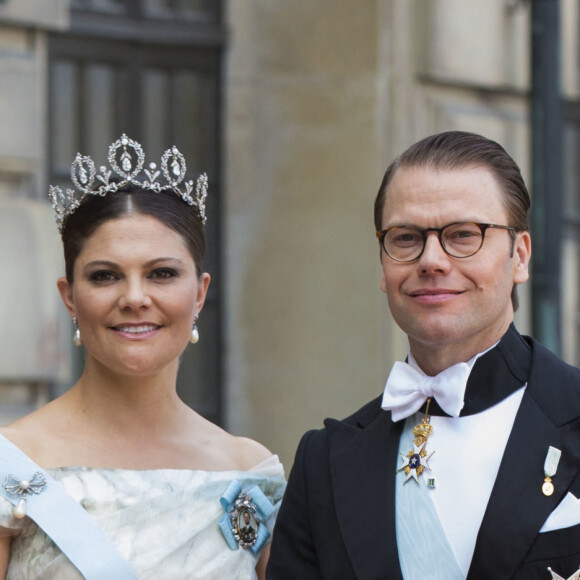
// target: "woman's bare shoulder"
[[23, 438], [231, 451], [33, 432], [251, 452]]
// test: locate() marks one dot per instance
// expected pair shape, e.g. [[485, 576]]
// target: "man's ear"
[[383, 284], [522, 254]]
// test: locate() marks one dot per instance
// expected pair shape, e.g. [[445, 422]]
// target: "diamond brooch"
[[245, 511], [23, 487]]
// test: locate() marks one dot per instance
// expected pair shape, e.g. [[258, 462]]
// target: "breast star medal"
[[550, 468], [417, 460]]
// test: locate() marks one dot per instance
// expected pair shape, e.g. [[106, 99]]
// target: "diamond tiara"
[[127, 159]]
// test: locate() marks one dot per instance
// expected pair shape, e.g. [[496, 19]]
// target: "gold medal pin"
[[416, 461], [550, 468]]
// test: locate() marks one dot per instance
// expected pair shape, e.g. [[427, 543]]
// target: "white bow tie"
[[407, 389]]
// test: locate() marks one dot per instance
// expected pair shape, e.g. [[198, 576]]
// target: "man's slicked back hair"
[[458, 150]]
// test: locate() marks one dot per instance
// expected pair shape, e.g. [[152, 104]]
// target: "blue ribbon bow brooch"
[[242, 524]]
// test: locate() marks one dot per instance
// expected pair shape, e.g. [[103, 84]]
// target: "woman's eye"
[[103, 276], [163, 274]]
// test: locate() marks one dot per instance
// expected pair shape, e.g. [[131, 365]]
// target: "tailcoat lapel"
[[517, 508], [363, 455], [363, 461]]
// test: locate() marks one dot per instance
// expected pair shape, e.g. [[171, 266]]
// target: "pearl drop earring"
[[77, 334], [194, 338]]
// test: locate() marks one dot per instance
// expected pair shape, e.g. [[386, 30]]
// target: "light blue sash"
[[64, 520], [424, 552]]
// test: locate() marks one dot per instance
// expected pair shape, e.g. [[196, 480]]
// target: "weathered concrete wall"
[[302, 168]]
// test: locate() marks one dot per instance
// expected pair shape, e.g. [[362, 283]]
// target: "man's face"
[[462, 305]]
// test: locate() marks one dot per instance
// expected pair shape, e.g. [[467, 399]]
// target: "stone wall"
[[302, 166], [34, 352]]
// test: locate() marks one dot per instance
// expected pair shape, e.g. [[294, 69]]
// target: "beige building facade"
[[318, 97], [34, 346]]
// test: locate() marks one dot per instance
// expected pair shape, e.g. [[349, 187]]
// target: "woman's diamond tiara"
[[127, 159]]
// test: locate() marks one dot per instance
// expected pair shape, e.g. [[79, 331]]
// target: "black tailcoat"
[[337, 519]]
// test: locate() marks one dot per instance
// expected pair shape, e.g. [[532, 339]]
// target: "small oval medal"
[[548, 488], [550, 468]]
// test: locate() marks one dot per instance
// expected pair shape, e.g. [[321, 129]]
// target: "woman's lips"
[[141, 330]]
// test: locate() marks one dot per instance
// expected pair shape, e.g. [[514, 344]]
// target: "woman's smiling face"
[[135, 295]]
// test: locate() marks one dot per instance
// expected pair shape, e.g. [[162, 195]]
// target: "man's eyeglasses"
[[459, 240]]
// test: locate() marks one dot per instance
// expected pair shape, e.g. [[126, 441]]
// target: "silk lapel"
[[495, 375], [517, 508], [363, 460]]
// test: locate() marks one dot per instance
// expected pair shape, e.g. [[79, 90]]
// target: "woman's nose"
[[134, 295]]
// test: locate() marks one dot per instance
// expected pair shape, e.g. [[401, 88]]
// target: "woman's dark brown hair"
[[166, 206]]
